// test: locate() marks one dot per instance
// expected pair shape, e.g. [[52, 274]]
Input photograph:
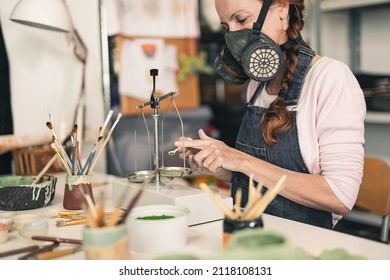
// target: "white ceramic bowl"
[[158, 235], [38, 227], [22, 219]]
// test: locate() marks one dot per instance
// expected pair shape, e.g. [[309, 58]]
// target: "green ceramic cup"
[[106, 243]]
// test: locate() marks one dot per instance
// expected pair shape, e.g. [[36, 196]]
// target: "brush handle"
[[56, 239], [258, 208], [105, 143], [129, 207], [46, 248], [56, 254], [44, 170], [18, 251], [227, 212]]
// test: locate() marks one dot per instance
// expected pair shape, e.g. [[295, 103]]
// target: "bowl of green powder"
[[158, 229]]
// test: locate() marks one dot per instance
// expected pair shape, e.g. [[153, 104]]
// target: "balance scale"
[[202, 207]]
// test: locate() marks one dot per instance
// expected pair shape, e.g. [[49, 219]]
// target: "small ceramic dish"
[[22, 219], [8, 219], [18, 192], [158, 228], [38, 227]]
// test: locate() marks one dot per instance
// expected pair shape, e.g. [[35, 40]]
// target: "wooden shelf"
[[336, 5]]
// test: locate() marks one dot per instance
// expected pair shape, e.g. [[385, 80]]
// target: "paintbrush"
[[105, 143], [254, 193], [91, 155], [258, 208], [55, 213], [227, 212], [45, 169], [132, 203], [117, 213], [237, 204], [58, 253], [40, 250], [108, 117], [64, 223], [100, 211], [18, 251], [57, 140], [64, 164], [56, 239]]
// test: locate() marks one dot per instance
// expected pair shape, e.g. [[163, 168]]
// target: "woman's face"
[[241, 14]]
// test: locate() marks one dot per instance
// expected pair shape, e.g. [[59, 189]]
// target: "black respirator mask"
[[250, 54]]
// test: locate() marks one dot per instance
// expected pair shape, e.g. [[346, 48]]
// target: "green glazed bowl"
[[18, 193]]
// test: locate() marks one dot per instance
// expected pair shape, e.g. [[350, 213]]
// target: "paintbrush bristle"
[[74, 129], [53, 213], [61, 223]]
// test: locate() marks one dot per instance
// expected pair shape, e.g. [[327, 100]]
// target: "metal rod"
[[159, 99], [156, 147]]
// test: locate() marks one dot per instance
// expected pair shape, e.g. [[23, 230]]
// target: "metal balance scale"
[[202, 208]]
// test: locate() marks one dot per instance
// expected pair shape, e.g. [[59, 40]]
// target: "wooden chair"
[[374, 193]]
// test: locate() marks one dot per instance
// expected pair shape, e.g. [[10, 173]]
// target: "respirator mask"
[[250, 54]]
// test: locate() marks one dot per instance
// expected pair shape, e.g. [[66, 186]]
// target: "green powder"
[[155, 217]]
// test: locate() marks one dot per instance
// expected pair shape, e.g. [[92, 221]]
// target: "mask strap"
[[258, 25], [292, 43]]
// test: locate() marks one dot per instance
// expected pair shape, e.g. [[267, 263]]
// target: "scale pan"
[[140, 176], [174, 171]]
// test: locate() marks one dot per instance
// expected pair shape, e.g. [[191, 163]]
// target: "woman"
[[305, 118]]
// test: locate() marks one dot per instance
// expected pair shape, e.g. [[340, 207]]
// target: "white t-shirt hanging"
[[137, 58], [159, 18]]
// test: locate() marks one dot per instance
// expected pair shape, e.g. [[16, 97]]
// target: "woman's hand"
[[209, 156]]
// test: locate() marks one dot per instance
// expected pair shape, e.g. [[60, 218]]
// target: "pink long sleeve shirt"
[[330, 121]]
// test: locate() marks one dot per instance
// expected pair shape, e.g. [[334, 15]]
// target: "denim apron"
[[285, 153]]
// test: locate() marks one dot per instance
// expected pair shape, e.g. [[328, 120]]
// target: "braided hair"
[[277, 118]]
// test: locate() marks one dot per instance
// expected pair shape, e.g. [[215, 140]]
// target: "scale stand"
[[202, 208]]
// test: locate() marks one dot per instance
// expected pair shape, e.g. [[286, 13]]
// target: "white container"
[[8, 219], [159, 235]]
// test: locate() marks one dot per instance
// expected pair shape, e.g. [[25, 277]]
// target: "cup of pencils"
[[77, 188]]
